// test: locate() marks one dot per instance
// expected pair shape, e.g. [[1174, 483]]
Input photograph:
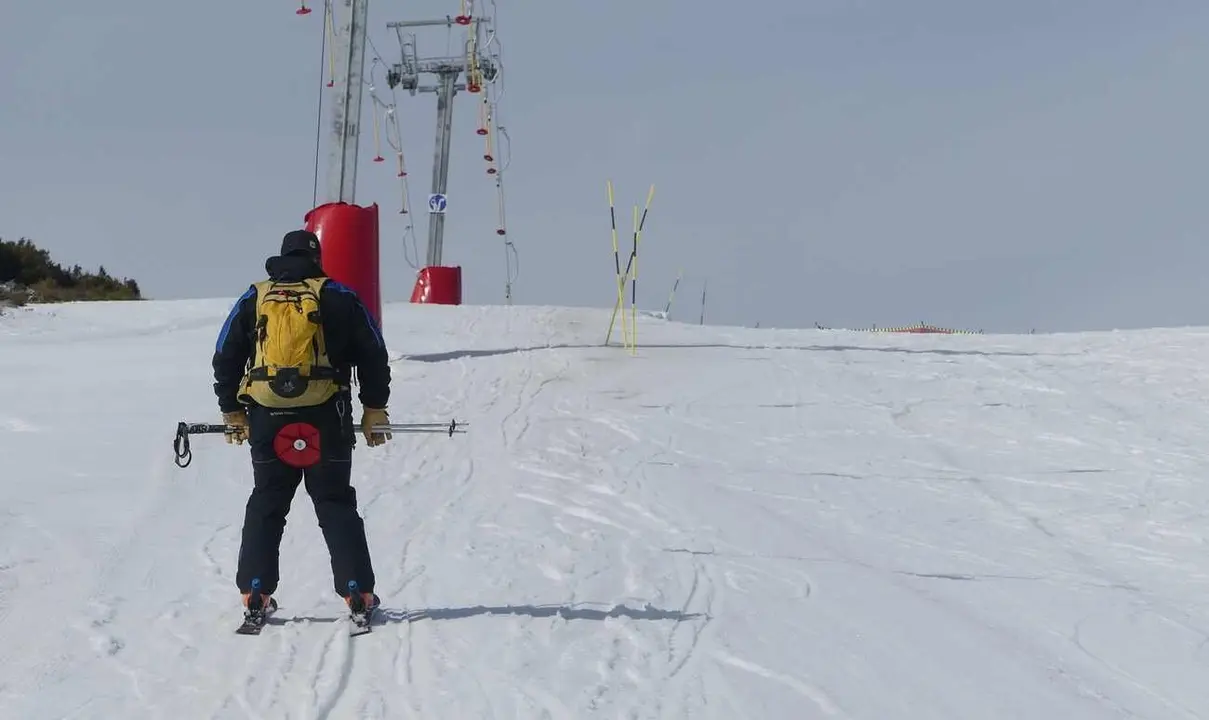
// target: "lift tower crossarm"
[[429, 23]]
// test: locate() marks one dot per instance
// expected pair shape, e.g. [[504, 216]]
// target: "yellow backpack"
[[289, 366]]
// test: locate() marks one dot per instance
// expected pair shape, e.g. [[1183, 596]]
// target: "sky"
[[1005, 167]]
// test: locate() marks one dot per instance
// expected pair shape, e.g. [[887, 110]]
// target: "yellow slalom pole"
[[620, 304], [634, 289], [638, 225], [667, 310]]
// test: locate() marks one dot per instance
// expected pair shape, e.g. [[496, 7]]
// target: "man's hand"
[[372, 417], [238, 421]]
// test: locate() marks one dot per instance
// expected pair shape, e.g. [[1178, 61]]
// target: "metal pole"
[[440, 166], [346, 112]]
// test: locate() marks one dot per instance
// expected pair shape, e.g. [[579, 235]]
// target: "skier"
[[283, 357]]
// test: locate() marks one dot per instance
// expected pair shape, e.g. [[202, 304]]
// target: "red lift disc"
[[297, 444]]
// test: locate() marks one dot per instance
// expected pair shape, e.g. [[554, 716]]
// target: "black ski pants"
[[328, 485]]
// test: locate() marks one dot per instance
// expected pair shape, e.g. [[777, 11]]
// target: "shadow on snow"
[[461, 354], [566, 612]]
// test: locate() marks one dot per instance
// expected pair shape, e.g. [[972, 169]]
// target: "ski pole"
[[184, 455], [451, 427]]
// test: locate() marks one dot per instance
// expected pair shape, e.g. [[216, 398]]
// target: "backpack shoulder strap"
[[316, 283], [262, 287]]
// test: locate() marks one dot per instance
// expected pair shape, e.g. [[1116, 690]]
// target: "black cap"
[[300, 242]]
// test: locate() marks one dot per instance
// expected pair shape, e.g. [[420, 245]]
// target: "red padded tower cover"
[[348, 235], [438, 285]]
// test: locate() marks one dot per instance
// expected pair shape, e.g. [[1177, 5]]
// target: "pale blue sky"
[[1004, 166]]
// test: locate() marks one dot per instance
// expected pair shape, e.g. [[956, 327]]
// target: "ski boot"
[[361, 607], [257, 608]]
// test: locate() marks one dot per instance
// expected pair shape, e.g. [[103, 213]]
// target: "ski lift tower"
[[437, 283], [348, 233]]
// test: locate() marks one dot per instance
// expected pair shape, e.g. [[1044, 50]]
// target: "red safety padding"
[[348, 236], [437, 285]]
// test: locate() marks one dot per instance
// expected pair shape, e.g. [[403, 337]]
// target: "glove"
[[370, 418], [238, 420]]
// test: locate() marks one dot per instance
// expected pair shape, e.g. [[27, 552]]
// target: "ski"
[[360, 623], [252, 624]]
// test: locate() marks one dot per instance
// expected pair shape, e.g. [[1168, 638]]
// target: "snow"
[[730, 523]]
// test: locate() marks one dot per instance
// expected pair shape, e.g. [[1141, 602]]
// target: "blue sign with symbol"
[[436, 203]]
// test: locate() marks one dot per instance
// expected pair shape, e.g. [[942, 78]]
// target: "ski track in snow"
[[732, 524]]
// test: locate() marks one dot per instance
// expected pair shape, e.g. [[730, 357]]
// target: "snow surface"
[[734, 523]]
